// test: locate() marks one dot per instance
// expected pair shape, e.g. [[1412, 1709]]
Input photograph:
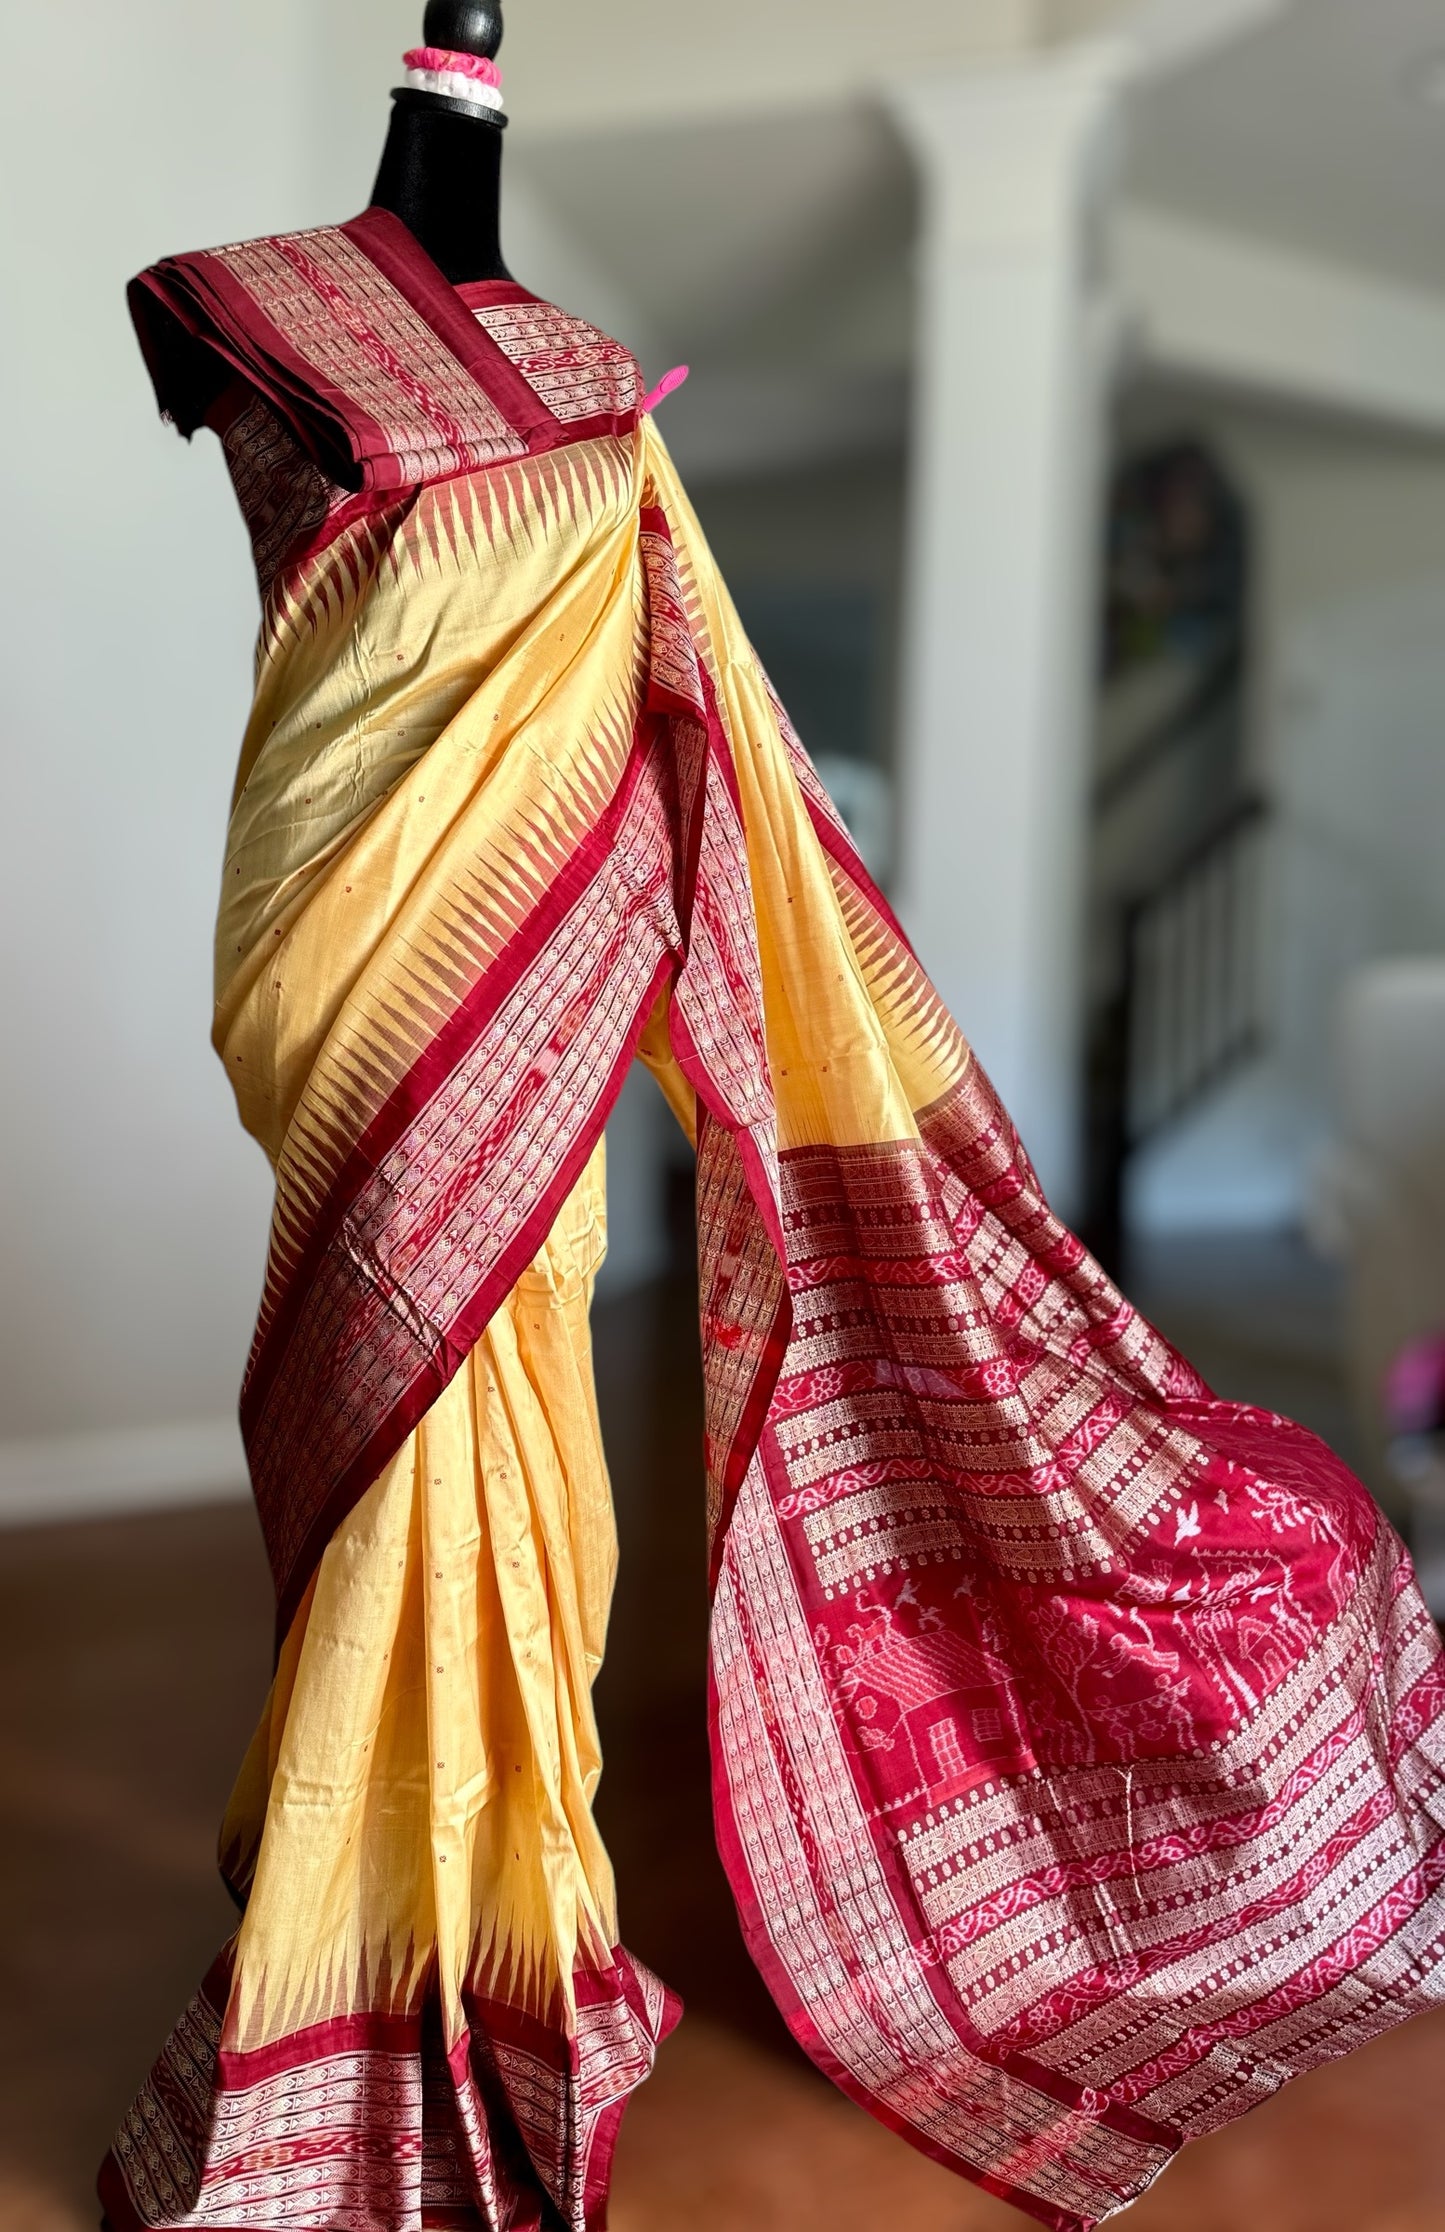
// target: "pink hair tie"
[[459, 65], [664, 388], [461, 77]]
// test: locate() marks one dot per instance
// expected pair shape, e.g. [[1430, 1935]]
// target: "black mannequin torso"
[[441, 170], [441, 174]]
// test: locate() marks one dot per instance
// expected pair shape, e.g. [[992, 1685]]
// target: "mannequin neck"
[[441, 174]]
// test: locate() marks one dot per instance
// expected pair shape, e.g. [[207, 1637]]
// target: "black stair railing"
[[1184, 1010]]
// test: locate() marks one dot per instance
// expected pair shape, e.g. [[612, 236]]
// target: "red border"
[[403, 262], [487, 2021], [466, 1330], [779, 1981], [198, 298], [197, 295], [411, 1095], [449, 1047], [449, 309]]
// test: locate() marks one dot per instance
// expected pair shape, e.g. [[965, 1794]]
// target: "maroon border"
[[210, 310], [402, 261], [441, 1057], [608, 2130], [779, 1981], [411, 1095], [198, 296], [444, 1051], [844, 855], [450, 310], [485, 2017], [740, 1452], [465, 1332]]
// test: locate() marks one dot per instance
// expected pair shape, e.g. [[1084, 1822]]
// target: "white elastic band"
[[456, 87]]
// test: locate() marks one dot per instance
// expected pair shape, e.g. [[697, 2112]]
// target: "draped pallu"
[[1077, 1736]]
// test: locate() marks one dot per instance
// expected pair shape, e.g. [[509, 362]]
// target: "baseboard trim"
[[53, 1480]]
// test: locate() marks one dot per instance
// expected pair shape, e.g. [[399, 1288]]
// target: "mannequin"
[[441, 169], [1078, 1738]]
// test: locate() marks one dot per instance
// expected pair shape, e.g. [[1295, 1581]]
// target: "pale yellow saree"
[[1077, 1736]]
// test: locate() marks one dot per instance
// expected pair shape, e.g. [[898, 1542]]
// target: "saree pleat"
[[412, 1831], [1078, 1738]]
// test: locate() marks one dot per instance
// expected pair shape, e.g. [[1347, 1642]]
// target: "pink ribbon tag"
[[664, 388]]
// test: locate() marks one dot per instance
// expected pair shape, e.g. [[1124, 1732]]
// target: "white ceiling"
[[772, 254], [1311, 131], [734, 235]]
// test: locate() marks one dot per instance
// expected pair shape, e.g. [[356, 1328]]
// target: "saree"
[[1077, 1736]]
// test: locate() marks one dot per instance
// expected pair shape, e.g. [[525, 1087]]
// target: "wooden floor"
[[133, 1658]]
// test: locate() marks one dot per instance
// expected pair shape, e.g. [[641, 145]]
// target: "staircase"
[[1185, 1009], [1179, 830]]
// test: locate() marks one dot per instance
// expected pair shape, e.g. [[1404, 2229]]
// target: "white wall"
[[135, 1213], [1350, 742]]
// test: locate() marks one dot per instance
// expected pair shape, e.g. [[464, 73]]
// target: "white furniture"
[[1383, 1201]]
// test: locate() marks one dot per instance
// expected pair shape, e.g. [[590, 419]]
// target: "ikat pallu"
[[1077, 1736]]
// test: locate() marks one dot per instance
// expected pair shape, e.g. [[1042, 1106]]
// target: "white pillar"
[[1017, 165]]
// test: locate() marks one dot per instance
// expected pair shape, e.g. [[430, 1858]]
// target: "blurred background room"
[[1067, 412]]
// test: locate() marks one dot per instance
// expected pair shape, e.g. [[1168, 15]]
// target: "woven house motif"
[[932, 1703]]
